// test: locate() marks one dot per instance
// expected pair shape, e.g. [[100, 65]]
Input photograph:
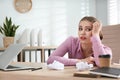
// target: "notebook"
[[107, 71], [8, 55], [85, 74]]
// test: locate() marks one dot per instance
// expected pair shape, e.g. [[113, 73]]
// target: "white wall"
[[58, 19]]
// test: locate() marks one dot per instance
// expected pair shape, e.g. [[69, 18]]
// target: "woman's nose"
[[82, 32]]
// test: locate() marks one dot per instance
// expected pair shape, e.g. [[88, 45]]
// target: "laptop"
[[8, 55], [107, 71]]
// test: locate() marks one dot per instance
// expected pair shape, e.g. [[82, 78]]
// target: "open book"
[[107, 71]]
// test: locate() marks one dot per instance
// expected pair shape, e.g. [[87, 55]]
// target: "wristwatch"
[[23, 6]]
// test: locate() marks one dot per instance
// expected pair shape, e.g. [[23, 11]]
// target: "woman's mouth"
[[82, 38]]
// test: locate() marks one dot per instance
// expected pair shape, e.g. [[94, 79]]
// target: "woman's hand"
[[89, 60], [97, 26]]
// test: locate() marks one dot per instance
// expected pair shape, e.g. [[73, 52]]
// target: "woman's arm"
[[98, 47], [58, 54]]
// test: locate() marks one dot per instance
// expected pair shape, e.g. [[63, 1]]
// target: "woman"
[[86, 47]]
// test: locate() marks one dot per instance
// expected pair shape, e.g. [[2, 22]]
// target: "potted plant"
[[8, 30]]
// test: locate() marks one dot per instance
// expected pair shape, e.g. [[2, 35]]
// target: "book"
[[107, 71]]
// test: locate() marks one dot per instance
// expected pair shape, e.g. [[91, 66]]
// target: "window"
[[113, 12]]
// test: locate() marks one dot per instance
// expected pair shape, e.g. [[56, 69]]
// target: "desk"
[[45, 74], [21, 56]]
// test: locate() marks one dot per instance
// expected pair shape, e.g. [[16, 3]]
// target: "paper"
[[83, 66], [56, 65]]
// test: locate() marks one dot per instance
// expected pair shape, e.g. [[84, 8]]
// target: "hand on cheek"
[[96, 28]]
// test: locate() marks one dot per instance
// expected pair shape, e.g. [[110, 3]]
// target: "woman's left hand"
[[97, 26], [89, 60]]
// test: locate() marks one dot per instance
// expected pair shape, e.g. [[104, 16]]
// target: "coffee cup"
[[104, 60]]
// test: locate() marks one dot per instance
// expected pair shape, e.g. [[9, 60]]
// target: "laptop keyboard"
[[10, 67]]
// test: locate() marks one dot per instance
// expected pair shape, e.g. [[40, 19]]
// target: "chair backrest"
[[111, 38]]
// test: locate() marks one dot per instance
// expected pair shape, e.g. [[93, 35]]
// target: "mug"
[[104, 60]]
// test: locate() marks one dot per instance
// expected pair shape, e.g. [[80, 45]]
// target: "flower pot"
[[7, 41]]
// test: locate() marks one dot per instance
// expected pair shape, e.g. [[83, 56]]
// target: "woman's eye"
[[80, 29], [88, 29]]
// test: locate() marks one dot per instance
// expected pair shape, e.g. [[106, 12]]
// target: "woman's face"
[[85, 31]]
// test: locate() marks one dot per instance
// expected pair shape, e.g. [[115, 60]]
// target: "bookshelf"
[[21, 57]]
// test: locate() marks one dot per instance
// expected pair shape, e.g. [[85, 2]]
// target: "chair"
[[111, 38]]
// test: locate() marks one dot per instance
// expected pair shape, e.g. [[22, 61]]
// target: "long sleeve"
[[99, 48], [58, 54], [72, 47]]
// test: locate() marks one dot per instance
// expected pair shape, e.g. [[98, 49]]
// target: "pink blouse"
[[72, 47]]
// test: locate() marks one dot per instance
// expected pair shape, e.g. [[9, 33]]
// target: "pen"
[[34, 69]]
